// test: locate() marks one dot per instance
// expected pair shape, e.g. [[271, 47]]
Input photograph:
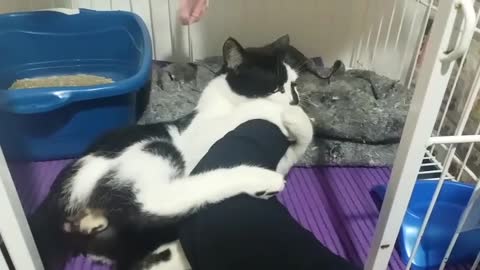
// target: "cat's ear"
[[232, 53], [282, 42]]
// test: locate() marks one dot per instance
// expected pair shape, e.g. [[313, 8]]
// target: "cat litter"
[[60, 80]]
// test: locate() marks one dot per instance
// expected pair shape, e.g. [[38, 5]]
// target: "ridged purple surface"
[[334, 203]]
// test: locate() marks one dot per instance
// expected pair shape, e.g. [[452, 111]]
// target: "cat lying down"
[[124, 199]]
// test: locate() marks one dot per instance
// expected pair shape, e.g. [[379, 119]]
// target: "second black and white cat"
[[124, 198]]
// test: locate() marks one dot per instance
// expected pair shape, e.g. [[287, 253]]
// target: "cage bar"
[[419, 45], [400, 26], [467, 155], [390, 24], [454, 139], [476, 262], [423, 2], [409, 38], [457, 160], [377, 39]]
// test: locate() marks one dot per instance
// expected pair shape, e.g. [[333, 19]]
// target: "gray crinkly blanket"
[[357, 115]]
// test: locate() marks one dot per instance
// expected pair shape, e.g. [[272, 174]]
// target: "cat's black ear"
[[282, 42], [232, 53]]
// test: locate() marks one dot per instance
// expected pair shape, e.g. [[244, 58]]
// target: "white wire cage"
[[433, 46], [441, 132]]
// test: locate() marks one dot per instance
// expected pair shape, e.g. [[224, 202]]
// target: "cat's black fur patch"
[[113, 143], [257, 72], [154, 259], [183, 122], [119, 200], [166, 150]]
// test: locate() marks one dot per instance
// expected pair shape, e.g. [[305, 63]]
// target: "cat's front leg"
[[299, 132], [185, 195]]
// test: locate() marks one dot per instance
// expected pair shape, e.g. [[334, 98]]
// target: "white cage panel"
[[441, 148]]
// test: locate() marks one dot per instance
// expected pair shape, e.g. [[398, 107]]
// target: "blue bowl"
[[61, 122], [446, 214]]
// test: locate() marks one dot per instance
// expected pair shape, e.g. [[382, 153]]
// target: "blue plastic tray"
[[60, 122], [446, 214]]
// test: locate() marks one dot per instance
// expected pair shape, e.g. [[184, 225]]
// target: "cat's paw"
[[88, 221], [262, 183], [298, 125]]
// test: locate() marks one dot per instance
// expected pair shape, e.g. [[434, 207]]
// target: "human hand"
[[192, 10]]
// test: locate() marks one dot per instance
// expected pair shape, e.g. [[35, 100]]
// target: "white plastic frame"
[[14, 227]]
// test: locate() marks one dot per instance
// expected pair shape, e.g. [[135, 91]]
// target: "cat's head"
[[261, 72]]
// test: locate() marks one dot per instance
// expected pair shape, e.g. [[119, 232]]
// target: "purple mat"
[[334, 203]]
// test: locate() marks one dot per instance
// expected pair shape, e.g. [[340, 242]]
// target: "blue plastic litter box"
[[446, 214], [60, 122]]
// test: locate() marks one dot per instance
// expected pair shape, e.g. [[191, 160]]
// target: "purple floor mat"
[[334, 203]]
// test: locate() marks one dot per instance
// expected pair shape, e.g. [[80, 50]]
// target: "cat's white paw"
[[298, 125], [262, 183]]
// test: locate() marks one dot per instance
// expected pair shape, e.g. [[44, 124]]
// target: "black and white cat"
[[124, 198]]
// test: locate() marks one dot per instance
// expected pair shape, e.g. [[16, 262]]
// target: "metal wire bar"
[[367, 43], [432, 171], [409, 37], [400, 26], [457, 160], [450, 154], [467, 156], [437, 163], [390, 24], [362, 42], [377, 39], [476, 263], [356, 58], [434, 8], [460, 225], [454, 86], [428, 164], [419, 45], [454, 139]]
